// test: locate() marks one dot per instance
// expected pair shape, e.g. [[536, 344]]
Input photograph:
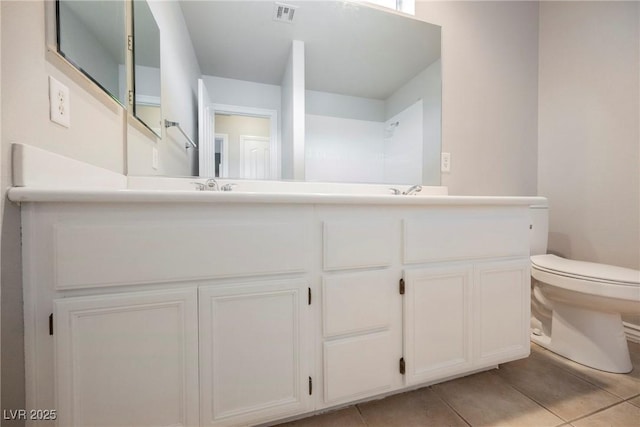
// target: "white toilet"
[[576, 306]]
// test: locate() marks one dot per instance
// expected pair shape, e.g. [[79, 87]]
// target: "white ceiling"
[[350, 48]]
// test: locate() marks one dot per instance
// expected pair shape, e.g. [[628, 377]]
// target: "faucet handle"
[[413, 189], [228, 187], [395, 191], [199, 186]]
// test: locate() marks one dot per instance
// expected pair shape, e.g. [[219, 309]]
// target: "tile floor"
[[543, 390]]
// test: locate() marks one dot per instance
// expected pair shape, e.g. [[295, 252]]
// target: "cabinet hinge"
[[310, 386], [309, 296], [401, 286], [51, 324], [131, 97], [129, 43], [402, 366]]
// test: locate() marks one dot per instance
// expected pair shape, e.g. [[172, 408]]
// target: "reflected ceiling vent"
[[283, 12]]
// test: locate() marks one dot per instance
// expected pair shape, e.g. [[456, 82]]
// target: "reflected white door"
[[255, 157]]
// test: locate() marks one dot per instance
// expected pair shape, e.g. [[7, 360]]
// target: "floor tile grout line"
[[569, 370], [444, 400], [361, 416], [495, 372], [596, 412], [632, 397], [515, 387]]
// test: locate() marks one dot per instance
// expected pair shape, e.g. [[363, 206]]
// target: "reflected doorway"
[[243, 146]]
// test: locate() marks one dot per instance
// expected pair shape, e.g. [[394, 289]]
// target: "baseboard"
[[632, 331]]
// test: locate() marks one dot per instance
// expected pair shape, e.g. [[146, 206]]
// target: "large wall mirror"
[[371, 85], [91, 35], [372, 91]]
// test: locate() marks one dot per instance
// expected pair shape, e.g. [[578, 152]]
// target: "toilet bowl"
[[577, 307]]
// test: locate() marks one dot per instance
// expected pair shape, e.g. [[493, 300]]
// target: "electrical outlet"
[[445, 162], [154, 158], [59, 109]]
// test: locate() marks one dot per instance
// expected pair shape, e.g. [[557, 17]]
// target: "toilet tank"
[[539, 230]]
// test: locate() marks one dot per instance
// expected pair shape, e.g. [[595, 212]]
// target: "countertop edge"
[[46, 195]]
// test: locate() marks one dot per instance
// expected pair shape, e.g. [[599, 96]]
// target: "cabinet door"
[[501, 311], [253, 352], [127, 359], [437, 316]]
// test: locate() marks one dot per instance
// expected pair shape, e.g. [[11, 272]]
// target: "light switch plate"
[[59, 105], [445, 162]]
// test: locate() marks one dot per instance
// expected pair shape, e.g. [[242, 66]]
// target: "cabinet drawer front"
[[358, 302], [357, 244], [102, 254], [450, 234], [359, 366]]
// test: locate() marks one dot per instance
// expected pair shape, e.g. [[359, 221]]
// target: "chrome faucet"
[[209, 185], [228, 187], [413, 189]]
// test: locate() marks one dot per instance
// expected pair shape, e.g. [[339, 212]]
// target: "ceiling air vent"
[[283, 12]]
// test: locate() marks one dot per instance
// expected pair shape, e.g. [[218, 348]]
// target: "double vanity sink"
[[148, 306]]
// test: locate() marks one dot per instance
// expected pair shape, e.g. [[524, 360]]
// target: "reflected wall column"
[[293, 115]]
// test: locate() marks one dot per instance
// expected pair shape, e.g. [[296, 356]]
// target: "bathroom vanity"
[[233, 309], [182, 307]]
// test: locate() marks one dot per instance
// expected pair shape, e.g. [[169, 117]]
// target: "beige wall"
[[589, 129], [95, 136], [489, 94]]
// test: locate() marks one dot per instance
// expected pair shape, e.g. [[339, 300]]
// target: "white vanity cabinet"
[[235, 309], [167, 315], [466, 303], [127, 359], [485, 307]]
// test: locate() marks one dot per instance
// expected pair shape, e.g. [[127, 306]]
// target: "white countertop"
[[108, 195], [43, 177]]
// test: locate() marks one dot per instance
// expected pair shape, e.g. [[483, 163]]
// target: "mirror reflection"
[[242, 146], [146, 60], [364, 86], [91, 35]]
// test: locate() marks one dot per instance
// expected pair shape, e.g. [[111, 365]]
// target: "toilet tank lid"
[[587, 270]]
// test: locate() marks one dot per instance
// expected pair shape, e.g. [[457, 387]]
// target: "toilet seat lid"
[[587, 270]]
